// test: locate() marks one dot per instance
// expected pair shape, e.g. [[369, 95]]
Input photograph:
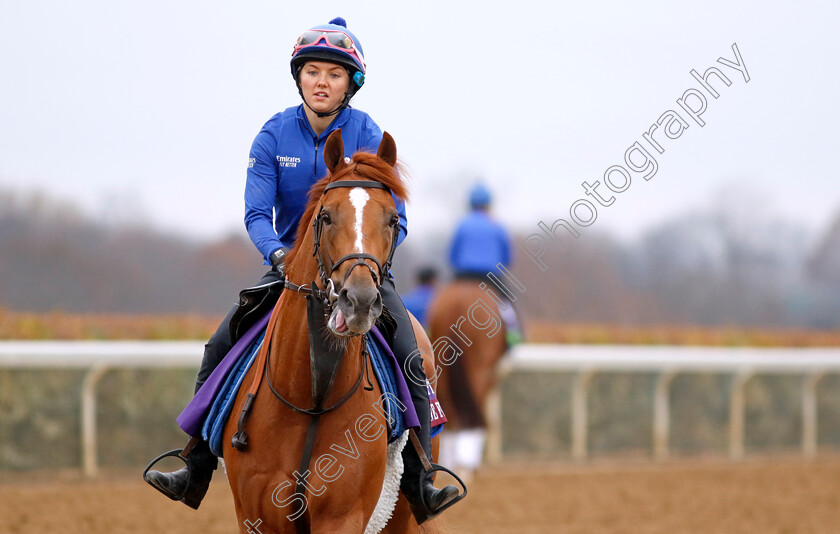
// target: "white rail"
[[97, 357], [85, 354], [668, 361], [585, 360]]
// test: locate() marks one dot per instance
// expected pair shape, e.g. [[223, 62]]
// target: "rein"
[[317, 350]]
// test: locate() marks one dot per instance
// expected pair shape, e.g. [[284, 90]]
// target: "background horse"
[[469, 338], [339, 486]]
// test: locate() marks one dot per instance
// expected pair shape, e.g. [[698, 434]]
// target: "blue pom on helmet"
[[320, 49], [480, 197]]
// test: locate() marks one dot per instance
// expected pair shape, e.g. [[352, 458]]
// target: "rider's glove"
[[277, 258]]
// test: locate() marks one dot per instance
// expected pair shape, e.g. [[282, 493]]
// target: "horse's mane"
[[364, 166]]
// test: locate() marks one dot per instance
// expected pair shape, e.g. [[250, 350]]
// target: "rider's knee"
[[413, 368]]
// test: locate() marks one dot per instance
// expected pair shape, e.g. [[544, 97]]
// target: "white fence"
[[588, 360], [97, 357], [584, 360]]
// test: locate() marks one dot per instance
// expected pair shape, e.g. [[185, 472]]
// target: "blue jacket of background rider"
[[285, 162], [479, 244]]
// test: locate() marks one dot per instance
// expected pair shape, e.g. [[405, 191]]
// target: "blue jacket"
[[286, 159], [417, 301], [479, 244]]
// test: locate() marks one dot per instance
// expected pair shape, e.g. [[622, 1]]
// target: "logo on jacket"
[[287, 161]]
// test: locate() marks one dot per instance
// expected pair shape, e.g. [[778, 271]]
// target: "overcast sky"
[[146, 110]]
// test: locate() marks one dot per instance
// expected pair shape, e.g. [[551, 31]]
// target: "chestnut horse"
[[470, 340], [283, 479]]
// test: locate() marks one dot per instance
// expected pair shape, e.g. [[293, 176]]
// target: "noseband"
[[360, 257]]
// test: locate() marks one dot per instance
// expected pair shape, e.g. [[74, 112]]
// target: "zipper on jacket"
[[316, 158]]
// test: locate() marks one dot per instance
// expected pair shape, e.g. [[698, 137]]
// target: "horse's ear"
[[387, 150], [334, 152]]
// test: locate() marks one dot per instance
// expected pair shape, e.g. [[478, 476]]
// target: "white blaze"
[[359, 198]]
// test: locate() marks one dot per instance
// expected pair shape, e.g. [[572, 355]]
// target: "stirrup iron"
[[176, 453], [460, 497]]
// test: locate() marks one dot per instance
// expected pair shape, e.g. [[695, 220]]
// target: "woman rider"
[[328, 67]]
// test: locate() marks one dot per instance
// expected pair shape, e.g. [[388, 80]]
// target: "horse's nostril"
[[376, 308], [362, 299], [343, 298]]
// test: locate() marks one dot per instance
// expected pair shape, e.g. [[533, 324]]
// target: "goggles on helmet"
[[332, 38]]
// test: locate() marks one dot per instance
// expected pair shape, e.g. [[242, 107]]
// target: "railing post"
[[662, 415], [494, 418], [580, 419], [736, 414], [89, 462], [810, 439]]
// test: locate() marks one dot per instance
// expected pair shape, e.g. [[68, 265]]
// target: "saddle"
[[254, 303], [207, 413]]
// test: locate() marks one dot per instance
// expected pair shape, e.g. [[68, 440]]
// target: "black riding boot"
[[426, 501], [189, 485], [202, 459]]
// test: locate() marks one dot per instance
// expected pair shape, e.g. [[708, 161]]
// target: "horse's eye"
[[395, 220], [325, 218]]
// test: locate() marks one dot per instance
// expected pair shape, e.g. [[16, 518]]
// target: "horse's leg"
[[351, 522], [448, 447], [473, 374]]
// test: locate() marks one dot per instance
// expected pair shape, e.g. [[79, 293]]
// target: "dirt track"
[[762, 497]]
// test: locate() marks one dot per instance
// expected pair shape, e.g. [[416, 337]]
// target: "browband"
[[357, 183]]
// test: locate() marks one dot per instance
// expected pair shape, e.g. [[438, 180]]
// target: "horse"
[[470, 340], [321, 469]]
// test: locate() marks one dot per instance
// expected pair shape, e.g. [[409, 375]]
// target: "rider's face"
[[323, 85]]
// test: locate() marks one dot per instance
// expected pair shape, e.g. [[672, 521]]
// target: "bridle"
[[325, 274]]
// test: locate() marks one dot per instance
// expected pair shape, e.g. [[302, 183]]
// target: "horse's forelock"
[[365, 165], [373, 168]]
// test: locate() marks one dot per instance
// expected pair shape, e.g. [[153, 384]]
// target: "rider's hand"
[[277, 257]]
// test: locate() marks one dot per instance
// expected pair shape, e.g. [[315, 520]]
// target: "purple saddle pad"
[[193, 415]]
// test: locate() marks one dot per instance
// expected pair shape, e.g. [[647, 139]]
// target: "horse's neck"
[[292, 321], [290, 357]]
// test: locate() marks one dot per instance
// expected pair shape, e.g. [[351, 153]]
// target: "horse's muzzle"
[[355, 310]]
